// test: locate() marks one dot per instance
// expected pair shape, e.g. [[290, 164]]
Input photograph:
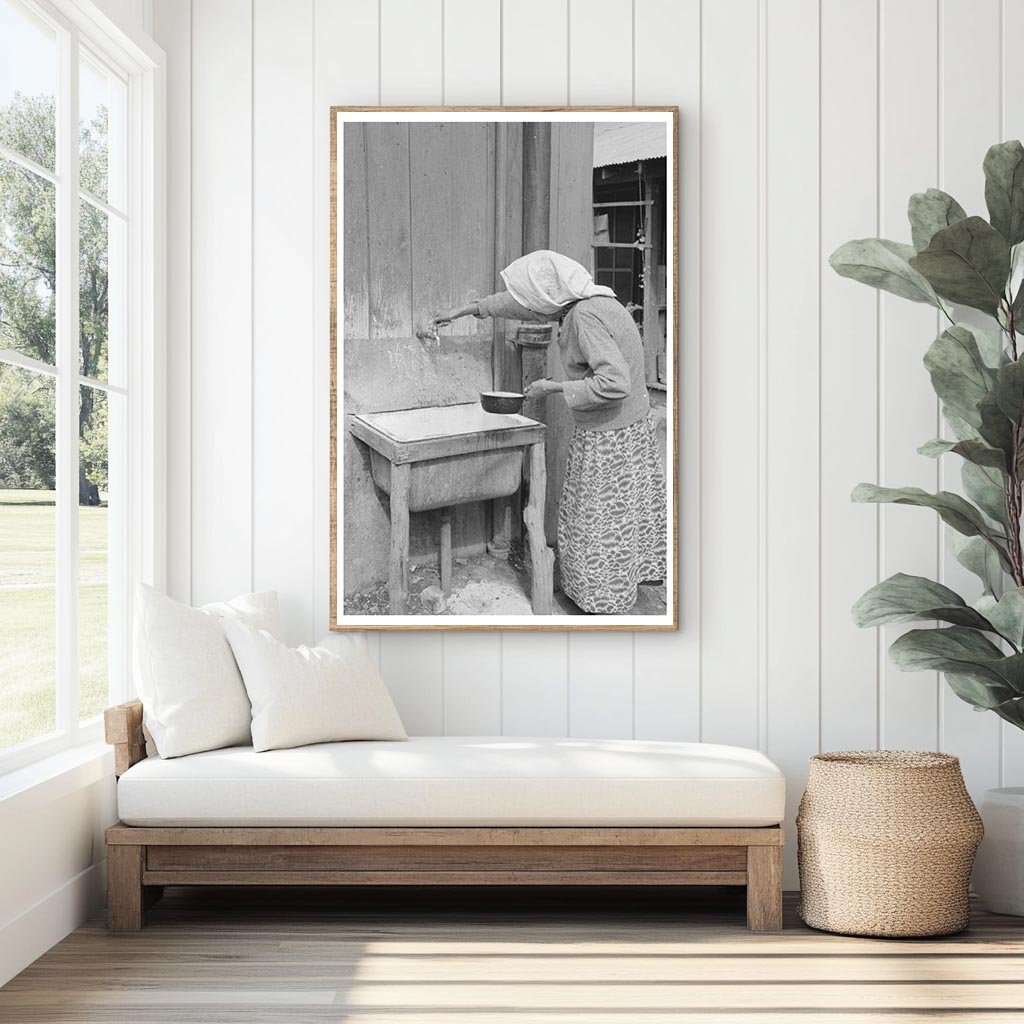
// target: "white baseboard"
[[26, 937]]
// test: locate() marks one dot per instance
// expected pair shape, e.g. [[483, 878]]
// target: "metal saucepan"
[[501, 401]]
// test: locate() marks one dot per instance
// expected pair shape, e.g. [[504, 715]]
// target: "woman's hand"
[[543, 387], [444, 317]]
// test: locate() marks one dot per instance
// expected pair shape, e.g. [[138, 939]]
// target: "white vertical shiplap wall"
[[908, 161], [849, 367], [803, 123]]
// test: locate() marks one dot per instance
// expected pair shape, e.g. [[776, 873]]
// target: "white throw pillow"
[[192, 693], [309, 694]]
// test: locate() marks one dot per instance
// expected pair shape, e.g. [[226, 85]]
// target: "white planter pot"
[[999, 867]]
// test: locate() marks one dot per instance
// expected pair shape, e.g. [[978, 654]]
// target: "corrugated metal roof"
[[622, 142]]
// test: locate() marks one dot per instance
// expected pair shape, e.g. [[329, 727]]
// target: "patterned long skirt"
[[612, 519]]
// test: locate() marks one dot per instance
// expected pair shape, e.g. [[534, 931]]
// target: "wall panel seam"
[[314, 626], [252, 293], [191, 290], [761, 397], [699, 341], [879, 375], [821, 255], [632, 49], [568, 52], [940, 534], [632, 691]]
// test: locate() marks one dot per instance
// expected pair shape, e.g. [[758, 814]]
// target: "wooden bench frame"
[[142, 860]]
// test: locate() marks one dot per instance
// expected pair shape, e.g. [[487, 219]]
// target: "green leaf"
[[995, 427], [1006, 614], [973, 451], [1017, 308], [1009, 390], [963, 652], [929, 212], [903, 598], [1004, 189], [977, 556], [990, 345], [952, 509], [1011, 711], [967, 263], [961, 429], [883, 264], [958, 372], [985, 487], [980, 692], [943, 650], [1015, 285]]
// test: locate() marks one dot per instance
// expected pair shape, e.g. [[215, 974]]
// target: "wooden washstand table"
[[442, 456]]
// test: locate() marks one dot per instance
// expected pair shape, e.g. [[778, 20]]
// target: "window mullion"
[[67, 386]]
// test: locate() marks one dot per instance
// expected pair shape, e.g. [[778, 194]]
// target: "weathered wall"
[[418, 236], [421, 231]]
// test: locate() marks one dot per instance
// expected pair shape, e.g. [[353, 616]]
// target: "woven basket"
[[886, 840]]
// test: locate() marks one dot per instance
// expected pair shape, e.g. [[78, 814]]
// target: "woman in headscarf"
[[612, 518]]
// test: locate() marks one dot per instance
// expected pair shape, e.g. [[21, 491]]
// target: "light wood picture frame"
[[444, 515]]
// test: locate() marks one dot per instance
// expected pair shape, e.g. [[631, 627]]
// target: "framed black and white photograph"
[[504, 368]]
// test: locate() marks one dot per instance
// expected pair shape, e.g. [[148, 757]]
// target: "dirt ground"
[[482, 585]]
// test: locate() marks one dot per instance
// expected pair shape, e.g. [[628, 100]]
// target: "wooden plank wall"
[[508, 198], [803, 125], [418, 228]]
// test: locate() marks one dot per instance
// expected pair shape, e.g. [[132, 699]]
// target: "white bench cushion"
[[458, 780]]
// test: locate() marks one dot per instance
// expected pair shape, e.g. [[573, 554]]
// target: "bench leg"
[[125, 896], [764, 888]]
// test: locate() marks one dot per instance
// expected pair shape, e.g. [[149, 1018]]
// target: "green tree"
[[28, 281], [26, 430]]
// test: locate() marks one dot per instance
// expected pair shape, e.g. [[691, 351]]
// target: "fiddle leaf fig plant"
[[977, 372]]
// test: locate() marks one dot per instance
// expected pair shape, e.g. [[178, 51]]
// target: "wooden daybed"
[[187, 843]]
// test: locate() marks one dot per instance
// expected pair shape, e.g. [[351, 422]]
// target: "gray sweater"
[[603, 356]]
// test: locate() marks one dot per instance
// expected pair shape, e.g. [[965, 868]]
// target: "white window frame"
[[140, 64]]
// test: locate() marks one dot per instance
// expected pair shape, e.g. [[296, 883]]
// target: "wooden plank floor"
[[220, 956]]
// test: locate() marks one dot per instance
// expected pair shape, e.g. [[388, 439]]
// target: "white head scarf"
[[546, 281]]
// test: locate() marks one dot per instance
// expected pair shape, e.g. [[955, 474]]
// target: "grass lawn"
[[28, 615]]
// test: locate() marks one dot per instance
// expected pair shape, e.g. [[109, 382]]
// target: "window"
[[73, 168]]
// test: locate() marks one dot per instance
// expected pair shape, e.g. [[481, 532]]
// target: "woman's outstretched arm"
[[500, 305]]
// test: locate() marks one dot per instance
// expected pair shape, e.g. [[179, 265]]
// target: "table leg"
[[541, 556], [501, 528], [398, 564], [445, 557]]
